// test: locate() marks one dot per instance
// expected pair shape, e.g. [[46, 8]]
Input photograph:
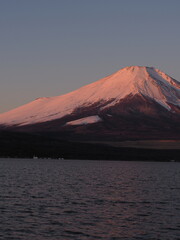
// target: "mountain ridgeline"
[[135, 103]]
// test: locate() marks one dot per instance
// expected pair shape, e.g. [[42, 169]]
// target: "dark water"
[[53, 199]]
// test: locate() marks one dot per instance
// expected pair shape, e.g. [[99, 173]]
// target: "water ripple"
[[85, 200]]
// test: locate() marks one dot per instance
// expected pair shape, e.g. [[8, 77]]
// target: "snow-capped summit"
[[130, 91]]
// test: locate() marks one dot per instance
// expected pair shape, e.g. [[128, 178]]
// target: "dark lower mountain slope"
[[132, 118]]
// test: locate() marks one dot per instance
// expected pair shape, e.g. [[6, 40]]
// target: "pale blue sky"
[[51, 47]]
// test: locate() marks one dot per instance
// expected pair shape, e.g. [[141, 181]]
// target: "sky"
[[51, 47]]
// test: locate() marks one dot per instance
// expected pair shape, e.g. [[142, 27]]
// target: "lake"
[[86, 200]]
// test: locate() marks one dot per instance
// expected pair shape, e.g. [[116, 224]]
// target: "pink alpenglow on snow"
[[145, 81], [86, 120]]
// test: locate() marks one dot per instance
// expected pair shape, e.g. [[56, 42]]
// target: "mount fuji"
[[136, 102]]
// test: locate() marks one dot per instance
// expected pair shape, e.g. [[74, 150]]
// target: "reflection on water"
[[51, 199]]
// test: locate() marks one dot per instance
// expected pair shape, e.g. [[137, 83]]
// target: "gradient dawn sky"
[[51, 47]]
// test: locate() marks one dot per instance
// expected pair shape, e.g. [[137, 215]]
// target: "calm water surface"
[[79, 200]]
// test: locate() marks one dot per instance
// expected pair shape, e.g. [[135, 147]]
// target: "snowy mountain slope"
[[85, 120], [106, 93]]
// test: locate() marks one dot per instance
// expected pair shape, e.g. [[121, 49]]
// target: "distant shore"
[[22, 145]]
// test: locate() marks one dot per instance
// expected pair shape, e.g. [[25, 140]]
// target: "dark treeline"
[[23, 145]]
